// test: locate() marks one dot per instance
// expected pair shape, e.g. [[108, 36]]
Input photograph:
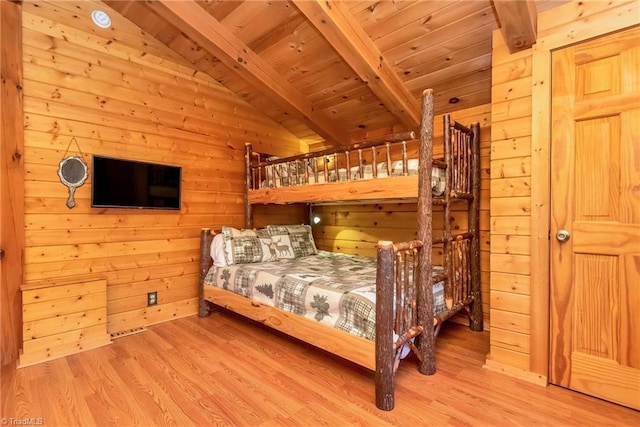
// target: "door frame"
[[11, 180], [552, 36]]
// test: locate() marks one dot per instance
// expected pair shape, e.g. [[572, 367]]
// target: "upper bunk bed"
[[380, 169]]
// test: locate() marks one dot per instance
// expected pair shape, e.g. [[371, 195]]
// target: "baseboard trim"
[[514, 372]]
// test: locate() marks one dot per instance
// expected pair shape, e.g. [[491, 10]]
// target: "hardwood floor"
[[224, 370]]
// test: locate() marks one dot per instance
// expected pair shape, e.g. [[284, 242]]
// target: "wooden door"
[[595, 196]]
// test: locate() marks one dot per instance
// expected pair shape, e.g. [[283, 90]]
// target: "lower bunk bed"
[[362, 309], [369, 311]]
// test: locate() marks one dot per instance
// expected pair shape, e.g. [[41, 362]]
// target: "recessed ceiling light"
[[454, 100], [101, 19]]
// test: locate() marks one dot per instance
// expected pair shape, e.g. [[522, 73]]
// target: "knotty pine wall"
[[121, 93], [520, 180], [356, 228], [510, 204]]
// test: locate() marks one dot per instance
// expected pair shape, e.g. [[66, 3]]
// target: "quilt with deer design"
[[331, 288]]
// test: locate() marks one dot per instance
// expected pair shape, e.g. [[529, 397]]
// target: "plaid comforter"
[[331, 288]]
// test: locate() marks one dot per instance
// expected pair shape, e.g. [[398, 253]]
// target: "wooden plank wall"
[[356, 228], [128, 96], [510, 203], [520, 180], [264, 215], [63, 319]]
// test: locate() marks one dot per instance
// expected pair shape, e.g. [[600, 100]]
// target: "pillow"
[[217, 251], [269, 250], [241, 246], [289, 173], [292, 241], [282, 243]]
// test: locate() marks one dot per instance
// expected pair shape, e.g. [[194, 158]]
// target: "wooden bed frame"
[[413, 312]]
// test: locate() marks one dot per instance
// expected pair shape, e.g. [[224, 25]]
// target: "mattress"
[[330, 288], [286, 175]]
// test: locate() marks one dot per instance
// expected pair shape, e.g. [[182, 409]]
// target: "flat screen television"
[[120, 183]]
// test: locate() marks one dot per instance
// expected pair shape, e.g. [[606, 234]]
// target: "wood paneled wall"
[[264, 215], [520, 180], [121, 93], [356, 228], [510, 203]]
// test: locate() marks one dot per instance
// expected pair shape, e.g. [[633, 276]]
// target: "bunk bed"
[[403, 275]]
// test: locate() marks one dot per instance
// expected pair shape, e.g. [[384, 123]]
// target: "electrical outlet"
[[152, 298]]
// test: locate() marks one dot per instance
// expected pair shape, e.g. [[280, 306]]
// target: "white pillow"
[[217, 251]]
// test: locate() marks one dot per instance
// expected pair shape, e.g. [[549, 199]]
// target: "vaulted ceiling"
[[340, 70]]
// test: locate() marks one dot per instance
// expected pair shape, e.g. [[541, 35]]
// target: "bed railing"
[[299, 169], [458, 152], [379, 154]]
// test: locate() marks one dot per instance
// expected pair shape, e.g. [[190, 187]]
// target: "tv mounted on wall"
[[120, 183]]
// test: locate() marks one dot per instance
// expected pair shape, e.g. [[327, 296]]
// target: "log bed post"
[[474, 229], [384, 326], [248, 218], [204, 309], [425, 219]]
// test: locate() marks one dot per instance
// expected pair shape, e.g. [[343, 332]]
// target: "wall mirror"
[[73, 173]]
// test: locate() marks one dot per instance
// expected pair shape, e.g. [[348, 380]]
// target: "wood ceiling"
[[330, 70]]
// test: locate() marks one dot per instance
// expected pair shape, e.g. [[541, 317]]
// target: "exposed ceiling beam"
[[213, 36], [518, 23], [334, 21]]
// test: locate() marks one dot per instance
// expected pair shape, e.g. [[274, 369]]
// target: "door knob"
[[563, 235]]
